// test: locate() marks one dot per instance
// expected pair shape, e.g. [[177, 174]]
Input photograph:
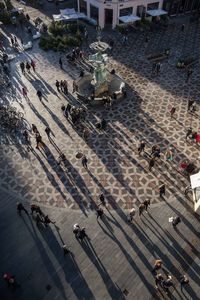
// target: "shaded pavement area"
[[115, 262]]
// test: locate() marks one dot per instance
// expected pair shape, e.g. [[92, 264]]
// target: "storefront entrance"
[[108, 16]]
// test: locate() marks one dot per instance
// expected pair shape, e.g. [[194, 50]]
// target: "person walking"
[[162, 190], [74, 86], [183, 281], [99, 212], [167, 283], [39, 142], [141, 147], [62, 85], [131, 215], [102, 199], [48, 131], [182, 27], [188, 133], [176, 221], [39, 94], [151, 163], [84, 162], [146, 205], [168, 154], [153, 149], [60, 63], [25, 92], [36, 209], [10, 280], [141, 209], [33, 65], [158, 280], [34, 129], [190, 104], [22, 66], [28, 67], [20, 208], [172, 111], [65, 87], [58, 86], [157, 265]]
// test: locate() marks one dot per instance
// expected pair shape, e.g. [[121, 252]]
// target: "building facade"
[[175, 7], [107, 12]]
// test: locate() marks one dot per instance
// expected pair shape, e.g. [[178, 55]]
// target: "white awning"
[[67, 11], [57, 18], [70, 17], [156, 12], [129, 19], [195, 180]]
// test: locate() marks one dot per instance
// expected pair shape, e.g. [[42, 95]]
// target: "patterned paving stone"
[[114, 165]]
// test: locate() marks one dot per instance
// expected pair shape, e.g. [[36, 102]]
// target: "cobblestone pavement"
[[114, 165]]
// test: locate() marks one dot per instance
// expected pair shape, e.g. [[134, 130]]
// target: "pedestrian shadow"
[[35, 111], [57, 120], [72, 273], [71, 180], [146, 283], [50, 176], [47, 86], [112, 288], [191, 294], [177, 251], [106, 223], [52, 272]]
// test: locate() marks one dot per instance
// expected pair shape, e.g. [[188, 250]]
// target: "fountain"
[[101, 82]]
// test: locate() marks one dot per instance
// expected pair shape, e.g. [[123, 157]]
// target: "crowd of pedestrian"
[[27, 66], [76, 115], [62, 86]]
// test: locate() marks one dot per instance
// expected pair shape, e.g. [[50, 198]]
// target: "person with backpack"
[[176, 221], [99, 212], [141, 147], [162, 190]]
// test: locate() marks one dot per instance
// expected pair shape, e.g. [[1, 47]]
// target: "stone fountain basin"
[[86, 88]]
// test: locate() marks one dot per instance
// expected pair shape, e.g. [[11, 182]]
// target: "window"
[[154, 5], [83, 6], [94, 12], [126, 11]]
